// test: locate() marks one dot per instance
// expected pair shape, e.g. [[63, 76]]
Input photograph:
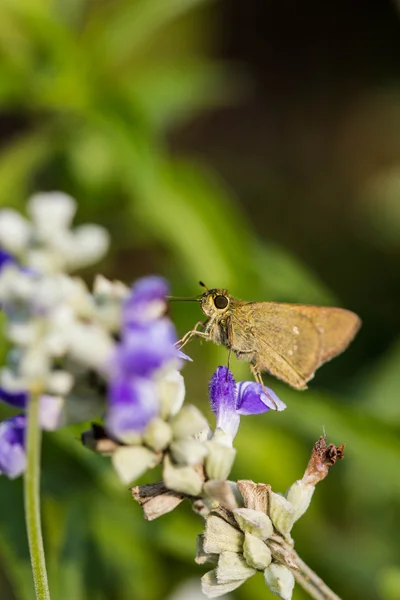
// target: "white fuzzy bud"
[[233, 567], [189, 421], [130, 462], [256, 552], [188, 451], [181, 479], [220, 536], [279, 580], [299, 495], [158, 434], [281, 512], [60, 383], [171, 391], [201, 555], [221, 455], [213, 589], [255, 522]]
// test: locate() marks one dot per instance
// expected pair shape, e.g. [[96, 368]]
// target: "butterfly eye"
[[221, 301]]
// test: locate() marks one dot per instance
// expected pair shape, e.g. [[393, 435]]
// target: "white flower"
[[15, 231]]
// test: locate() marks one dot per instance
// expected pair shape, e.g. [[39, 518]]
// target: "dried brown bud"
[[322, 458], [255, 495]]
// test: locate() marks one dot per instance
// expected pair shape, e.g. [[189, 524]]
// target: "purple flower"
[[254, 399], [15, 398], [133, 403], [145, 349], [223, 395], [147, 301], [12, 446], [147, 346], [230, 400], [6, 258], [51, 408]]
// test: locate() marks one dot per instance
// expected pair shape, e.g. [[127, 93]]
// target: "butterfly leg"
[[257, 376], [188, 336]]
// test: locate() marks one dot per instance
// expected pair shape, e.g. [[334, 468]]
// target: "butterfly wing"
[[290, 341], [278, 340], [337, 327]]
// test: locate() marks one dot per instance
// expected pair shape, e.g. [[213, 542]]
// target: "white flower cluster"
[[58, 329], [47, 243], [242, 541]]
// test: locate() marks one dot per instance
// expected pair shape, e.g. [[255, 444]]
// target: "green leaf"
[[170, 93], [125, 28]]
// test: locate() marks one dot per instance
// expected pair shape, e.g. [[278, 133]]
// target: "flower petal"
[[6, 258], [133, 403], [14, 398], [14, 230], [253, 399], [147, 301], [12, 446], [222, 391], [51, 412], [89, 243], [145, 349], [52, 210]]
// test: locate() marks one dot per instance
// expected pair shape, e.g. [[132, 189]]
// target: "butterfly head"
[[215, 302]]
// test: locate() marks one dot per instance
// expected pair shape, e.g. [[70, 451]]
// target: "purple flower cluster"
[[146, 350], [12, 431], [230, 400]]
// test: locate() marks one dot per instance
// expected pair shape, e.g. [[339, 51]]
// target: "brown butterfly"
[[289, 341]]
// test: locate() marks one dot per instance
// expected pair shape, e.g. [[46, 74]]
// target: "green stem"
[[32, 500]]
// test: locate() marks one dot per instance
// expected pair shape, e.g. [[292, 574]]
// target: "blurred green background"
[[256, 146]]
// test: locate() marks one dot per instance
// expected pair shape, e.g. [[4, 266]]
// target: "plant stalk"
[[32, 499]]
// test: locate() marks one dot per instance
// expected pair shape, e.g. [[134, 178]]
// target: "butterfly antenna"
[[182, 299], [203, 285]]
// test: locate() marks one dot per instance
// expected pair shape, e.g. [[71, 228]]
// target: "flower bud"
[[279, 580], [158, 434], [299, 495], [219, 460], [171, 391], [202, 556], [188, 451], [281, 512], [220, 536], [187, 422], [60, 382], [181, 479], [255, 522], [212, 588], [256, 552], [131, 462], [232, 567]]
